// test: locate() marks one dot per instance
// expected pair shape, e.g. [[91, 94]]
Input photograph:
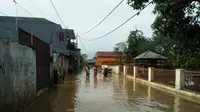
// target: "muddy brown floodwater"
[[115, 93]]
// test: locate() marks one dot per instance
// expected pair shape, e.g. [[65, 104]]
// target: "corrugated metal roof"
[[25, 19], [40, 27], [150, 55]]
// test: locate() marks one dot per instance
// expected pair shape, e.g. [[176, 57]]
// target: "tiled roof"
[[108, 54]]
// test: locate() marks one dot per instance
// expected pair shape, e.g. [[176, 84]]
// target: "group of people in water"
[[95, 70]]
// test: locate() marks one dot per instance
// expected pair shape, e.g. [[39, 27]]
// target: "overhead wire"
[[16, 21], [22, 7], [120, 24], [37, 8], [82, 43], [57, 13], [3, 13], [104, 18]]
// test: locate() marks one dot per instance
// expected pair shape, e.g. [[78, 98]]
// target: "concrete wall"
[[61, 60], [17, 76]]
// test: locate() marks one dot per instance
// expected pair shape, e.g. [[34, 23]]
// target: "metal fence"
[[142, 73], [130, 70], [164, 76], [192, 81]]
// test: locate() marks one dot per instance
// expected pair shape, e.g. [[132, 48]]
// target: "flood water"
[[79, 93]]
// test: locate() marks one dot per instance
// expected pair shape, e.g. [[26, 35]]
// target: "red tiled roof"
[[108, 54]]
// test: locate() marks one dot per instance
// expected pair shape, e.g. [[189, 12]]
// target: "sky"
[[81, 15]]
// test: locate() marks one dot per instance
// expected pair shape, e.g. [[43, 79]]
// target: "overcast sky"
[[82, 15]]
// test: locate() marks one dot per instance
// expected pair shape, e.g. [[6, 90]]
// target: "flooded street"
[[112, 94]]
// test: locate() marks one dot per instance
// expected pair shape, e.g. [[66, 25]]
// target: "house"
[[61, 41], [109, 58], [151, 59]]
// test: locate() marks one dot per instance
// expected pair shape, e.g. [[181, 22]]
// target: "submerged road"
[[79, 93]]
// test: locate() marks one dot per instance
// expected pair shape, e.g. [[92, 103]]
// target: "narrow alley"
[[115, 93]]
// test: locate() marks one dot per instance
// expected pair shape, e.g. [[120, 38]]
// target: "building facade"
[[61, 41], [108, 58]]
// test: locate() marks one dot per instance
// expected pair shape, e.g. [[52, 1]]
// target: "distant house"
[[151, 59], [108, 58]]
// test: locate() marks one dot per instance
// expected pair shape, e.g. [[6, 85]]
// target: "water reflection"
[[176, 104], [87, 83], [95, 82], [109, 94]]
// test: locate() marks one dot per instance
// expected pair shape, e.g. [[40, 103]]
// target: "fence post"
[[180, 78], [135, 71], [150, 74], [118, 70], [125, 70]]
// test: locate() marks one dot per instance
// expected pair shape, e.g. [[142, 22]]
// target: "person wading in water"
[[87, 71], [95, 69], [105, 72]]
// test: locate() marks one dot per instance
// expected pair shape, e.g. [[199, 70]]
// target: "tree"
[[83, 59], [85, 56], [177, 21], [137, 43], [120, 47]]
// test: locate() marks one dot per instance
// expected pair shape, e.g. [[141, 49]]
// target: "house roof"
[[25, 19], [40, 27], [150, 55], [108, 54]]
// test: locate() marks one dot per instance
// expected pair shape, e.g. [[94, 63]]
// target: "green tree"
[[120, 47], [138, 43], [177, 21], [85, 56], [83, 59]]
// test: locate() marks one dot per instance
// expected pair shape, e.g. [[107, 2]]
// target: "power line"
[[37, 8], [121, 24], [82, 43], [57, 13], [104, 18], [3, 13], [23, 8], [16, 21]]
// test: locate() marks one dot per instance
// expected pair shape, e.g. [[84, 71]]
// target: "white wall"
[[115, 69]]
